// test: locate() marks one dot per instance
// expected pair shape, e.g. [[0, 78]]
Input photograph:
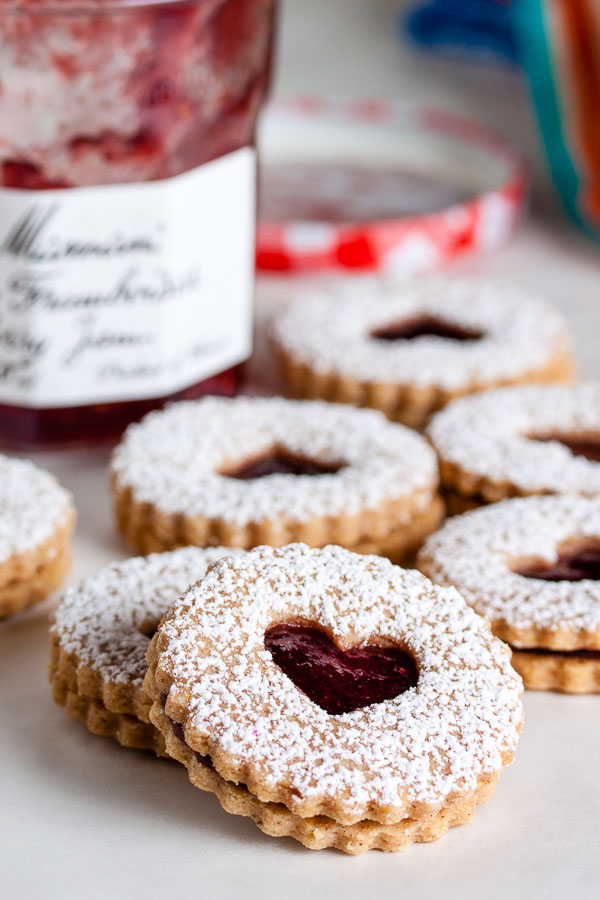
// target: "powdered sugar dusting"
[[474, 552], [330, 331], [458, 722], [105, 619], [32, 506], [486, 435], [174, 457]]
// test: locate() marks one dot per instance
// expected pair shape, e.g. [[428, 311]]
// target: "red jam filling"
[[180, 735], [425, 326], [182, 83], [579, 446], [102, 422], [578, 564], [280, 463], [27, 176], [337, 680]]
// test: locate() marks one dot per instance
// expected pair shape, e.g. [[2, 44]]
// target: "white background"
[[83, 818]]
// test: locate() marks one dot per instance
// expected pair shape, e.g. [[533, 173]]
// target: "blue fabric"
[[474, 29]]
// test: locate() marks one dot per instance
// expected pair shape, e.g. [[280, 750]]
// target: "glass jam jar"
[[127, 208]]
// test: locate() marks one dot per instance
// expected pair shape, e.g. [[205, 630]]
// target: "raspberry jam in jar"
[[127, 208]]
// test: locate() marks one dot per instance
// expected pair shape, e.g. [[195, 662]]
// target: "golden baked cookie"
[[321, 832], [340, 689], [409, 349], [100, 635], [252, 471], [518, 442], [532, 567], [37, 518]]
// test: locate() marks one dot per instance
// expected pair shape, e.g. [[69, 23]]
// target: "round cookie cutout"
[[101, 631], [224, 704], [247, 471], [408, 349], [532, 567], [518, 442], [37, 518]]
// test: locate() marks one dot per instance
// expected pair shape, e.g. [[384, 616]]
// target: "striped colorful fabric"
[[560, 49]]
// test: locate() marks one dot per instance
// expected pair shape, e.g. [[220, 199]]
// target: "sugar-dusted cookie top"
[[180, 458], [33, 507], [459, 334], [531, 565], [521, 440], [211, 669], [106, 621]]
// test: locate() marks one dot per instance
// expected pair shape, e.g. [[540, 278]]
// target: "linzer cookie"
[[409, 349], [532, 566], [517, 442], [100, 636], [334, 697], [36, 524], [254, 471]]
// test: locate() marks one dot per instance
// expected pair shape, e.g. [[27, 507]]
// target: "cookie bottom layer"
[[320, 832], [147, 530], [120, 711], [464, 490], [126, 729], [457, 504], [28, 578], [553, 671], [68, 672], [274, 819], [404, 541], [411, 405]]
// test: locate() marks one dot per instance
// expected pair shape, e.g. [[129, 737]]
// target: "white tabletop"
[[84, 818]]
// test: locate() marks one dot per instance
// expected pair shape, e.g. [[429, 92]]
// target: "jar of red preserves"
[[127, 207]]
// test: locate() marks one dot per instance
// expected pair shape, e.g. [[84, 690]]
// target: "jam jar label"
[[125, 292]]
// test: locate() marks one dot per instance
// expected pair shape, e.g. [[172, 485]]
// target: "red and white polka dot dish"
[[329, 169]]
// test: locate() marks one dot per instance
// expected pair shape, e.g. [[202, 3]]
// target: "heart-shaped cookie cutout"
[[576, 564], [588, 447], [338, 680], [280, 462], [425, 326]]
